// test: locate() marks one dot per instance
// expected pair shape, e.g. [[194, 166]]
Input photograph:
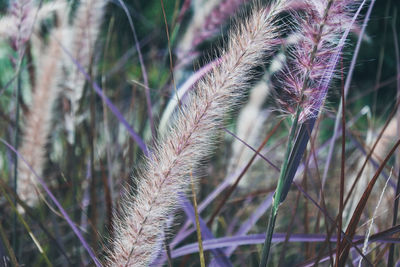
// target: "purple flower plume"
[[320, 28]]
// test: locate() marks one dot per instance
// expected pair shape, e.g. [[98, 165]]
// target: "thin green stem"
[[278, 192], [268, 238]]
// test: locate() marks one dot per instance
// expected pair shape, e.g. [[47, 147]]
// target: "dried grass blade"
[[351, 229], [328, 237], [369, 156]]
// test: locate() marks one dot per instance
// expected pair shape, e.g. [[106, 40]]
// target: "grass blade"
[[7, 244], [218, 253]]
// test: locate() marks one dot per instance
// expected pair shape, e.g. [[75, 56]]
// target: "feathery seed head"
[[22, 23], [38, 121], [83, 35], [189, 139], [309, 58], [218, 16]]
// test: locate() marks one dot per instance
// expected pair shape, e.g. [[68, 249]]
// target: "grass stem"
[[279, 193], [199, 239]]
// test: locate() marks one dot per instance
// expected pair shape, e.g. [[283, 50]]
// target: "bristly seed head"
[[190, 137], [320, 27], [22, 24]]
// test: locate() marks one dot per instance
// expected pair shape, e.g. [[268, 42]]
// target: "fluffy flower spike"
[[320, 28], [192, 135], [22, 24]]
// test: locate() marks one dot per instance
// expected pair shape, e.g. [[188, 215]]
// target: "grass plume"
[[38, 120], [83, 35], [189, 139]]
